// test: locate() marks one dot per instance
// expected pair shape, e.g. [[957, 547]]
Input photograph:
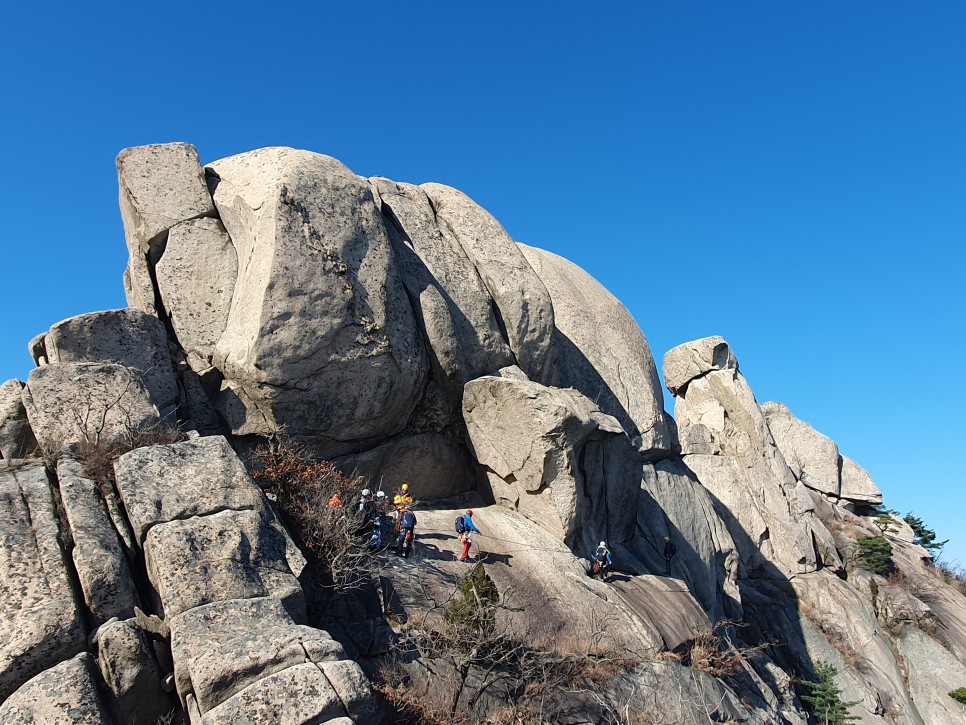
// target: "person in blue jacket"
[[465, 527]]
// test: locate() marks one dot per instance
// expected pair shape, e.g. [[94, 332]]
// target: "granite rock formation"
[[400, 331]]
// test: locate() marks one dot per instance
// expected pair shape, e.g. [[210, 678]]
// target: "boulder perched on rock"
[[857, 484], [598, 348], [160, 186], [812, 457], [555, 457], [127, 337], [320, 337]]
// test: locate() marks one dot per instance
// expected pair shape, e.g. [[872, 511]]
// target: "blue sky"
[[787, 175]]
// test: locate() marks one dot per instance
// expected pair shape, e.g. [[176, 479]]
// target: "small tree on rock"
[[875, 555], [825, 697], [926, 538]]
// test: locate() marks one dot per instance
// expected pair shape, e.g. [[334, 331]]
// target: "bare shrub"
[[98, 455], [716, 652], [469, 650], [952, 573], [315, 499]]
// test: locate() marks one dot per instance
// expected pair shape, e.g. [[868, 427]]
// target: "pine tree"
[[926, 538], [875, 555], [825, 697]]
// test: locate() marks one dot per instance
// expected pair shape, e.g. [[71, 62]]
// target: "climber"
[[407, 527], [405, 497], [602, 561], [669, 552], [465, 527], [365, 503]]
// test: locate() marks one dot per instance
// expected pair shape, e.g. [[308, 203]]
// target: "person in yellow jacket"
[[404, 498]]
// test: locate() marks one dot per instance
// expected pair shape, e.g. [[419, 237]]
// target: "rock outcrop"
[[398, 330]]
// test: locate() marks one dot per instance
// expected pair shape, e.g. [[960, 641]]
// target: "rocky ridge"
[[400, 331]]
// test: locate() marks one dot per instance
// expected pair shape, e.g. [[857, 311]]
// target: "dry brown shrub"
[[326, 529], [716, 653], [98, 455]]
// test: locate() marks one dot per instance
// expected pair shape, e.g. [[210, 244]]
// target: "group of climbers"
[[379, 515]]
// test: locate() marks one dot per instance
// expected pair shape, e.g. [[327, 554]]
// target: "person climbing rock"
[[602, 561], [465, 527], [669, 553]]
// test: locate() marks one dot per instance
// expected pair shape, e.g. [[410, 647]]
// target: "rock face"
[[727, 444], [814, 459], [16, 438], [40, 623], [399, 330], [598, 349], [555, 457], [320, 335]]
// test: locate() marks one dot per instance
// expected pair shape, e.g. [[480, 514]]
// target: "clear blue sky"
[[789, 175]]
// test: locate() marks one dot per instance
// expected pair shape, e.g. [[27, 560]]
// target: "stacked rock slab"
[[225, 576], [160, 186], [726, 443], [98, 555], [39, 622], [552, 455], [814, 459], [65, 694], [126, 337]]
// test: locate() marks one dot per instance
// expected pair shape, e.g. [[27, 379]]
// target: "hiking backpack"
[[460, 525]]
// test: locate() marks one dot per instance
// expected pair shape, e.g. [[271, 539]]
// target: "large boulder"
[[99, 559], [600, 350], [320, 337], [39, 622], [16, 438], [553, 456], [66, 694], [522, 301], [694, 359], [98, 403], [127, 337]]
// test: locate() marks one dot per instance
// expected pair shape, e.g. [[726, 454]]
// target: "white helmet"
[[603, 545], [366, 492], [380, 494]]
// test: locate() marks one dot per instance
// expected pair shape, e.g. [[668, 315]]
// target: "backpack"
[[408, 520], [460, 525]]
